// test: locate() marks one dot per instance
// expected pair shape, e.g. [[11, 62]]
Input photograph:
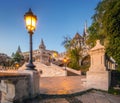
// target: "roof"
[[77, 36]]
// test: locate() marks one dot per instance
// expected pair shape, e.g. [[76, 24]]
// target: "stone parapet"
[[19, 86], [14, 89]]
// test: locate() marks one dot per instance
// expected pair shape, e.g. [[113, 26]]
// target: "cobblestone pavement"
[[92, 96]]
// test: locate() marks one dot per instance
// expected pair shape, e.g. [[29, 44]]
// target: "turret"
[[85, 33], [42, 45], [18, 50]]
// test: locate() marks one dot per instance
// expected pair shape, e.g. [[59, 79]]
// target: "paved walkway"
[[59, 90], [88, 97], [61, 85]]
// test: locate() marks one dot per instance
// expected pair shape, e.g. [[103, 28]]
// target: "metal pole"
[[65, 66], [30, 48], [30, 66]]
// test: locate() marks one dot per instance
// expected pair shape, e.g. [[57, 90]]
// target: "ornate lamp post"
[[30, 21]]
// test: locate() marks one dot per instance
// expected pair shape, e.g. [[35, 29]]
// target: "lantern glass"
[[65, 60], [30, 21]]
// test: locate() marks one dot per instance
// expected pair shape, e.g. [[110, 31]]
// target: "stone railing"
[[7, 68], [11, 87], [19, 86]]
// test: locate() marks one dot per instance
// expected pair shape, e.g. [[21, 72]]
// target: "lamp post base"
[[30, 66]]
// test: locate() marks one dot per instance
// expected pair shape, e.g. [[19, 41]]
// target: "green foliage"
[[74, 56], [118, 68], [111, 24], [67, 42], [73, 53], [18, 58], [106, 27], [114, 91]]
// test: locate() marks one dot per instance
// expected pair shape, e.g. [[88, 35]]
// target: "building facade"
[[41, 54]]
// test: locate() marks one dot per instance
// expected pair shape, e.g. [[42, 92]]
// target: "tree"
[[111, 25], [17, 57], [72, 52], [67, 42], [106, 27], [74, 56]]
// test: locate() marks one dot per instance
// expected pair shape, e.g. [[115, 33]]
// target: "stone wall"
[[14, 89], [19, 86]]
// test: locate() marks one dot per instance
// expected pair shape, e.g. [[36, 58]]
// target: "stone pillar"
[[98, 76], [34, 83]]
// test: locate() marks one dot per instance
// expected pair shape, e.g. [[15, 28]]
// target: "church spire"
[[85, 27], [42, 45], [19, 50], [85, 30]]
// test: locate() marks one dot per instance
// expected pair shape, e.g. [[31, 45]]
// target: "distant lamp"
[[54, 54], [65, 60], [30, 21], [17, 65]]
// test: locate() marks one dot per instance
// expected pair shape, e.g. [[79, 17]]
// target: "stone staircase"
[[53, 70], [73, 72], [47, 71]]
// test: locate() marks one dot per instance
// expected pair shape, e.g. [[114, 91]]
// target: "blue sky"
[[56, 19]]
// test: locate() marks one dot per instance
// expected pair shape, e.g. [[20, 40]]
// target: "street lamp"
[[65, 60], [17, 65], [30, 21], [53, 56]]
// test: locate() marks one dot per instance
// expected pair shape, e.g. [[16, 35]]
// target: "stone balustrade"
[[19, 86], [4, 68]]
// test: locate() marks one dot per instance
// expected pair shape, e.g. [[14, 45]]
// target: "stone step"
[[47, 71]]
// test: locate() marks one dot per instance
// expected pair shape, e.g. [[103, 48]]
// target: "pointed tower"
[[85, 33], [42, 45], [12, 54], [18, 50]]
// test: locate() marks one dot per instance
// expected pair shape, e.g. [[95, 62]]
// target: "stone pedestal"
[[98, 76]]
